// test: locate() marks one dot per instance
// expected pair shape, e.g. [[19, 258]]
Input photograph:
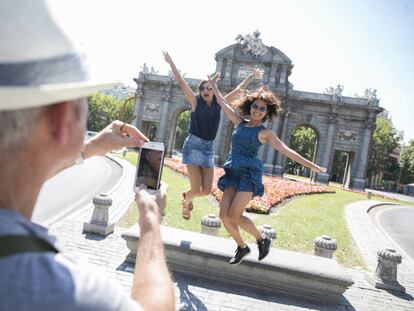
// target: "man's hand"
[[115, 136], [151, 205]]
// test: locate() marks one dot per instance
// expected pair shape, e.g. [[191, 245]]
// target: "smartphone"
[[149, 166]]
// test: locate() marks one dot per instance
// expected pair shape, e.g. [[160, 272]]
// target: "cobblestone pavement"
[[197, 294]]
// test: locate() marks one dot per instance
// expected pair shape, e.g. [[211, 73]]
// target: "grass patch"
[[297, 223]]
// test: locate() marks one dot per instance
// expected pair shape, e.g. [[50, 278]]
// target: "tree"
[[384, 140], [303, 141], [407, 161], [103, 109], [182, 129]]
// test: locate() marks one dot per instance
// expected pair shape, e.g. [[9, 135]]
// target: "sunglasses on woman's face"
[[205, 88], [258, 108]]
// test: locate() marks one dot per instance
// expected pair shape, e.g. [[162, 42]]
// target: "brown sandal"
[[186, 208], [190, 205]]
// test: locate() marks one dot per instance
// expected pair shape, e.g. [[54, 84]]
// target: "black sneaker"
[[264, 247], [240, 254]]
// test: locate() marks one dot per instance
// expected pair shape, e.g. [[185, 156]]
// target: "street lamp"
[[401, 165]]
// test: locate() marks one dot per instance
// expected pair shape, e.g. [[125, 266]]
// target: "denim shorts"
[[198, 152]]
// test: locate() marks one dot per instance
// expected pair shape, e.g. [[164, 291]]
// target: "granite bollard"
[[100, 217], [210, 224], [268, 231], [325, 246], [386, 272]]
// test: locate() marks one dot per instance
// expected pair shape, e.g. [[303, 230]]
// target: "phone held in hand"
[[149, 166]]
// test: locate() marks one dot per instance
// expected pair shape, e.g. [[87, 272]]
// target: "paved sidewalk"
[[197, 294]]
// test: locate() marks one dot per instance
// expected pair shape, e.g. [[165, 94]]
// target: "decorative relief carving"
[[369, 124], [245, 71], [152, 108], [332, 117], [347, 135], [252, 44]]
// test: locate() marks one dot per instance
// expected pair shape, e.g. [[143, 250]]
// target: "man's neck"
[[20, 184]]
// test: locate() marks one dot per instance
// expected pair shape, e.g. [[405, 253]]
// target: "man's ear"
[[58, 117]]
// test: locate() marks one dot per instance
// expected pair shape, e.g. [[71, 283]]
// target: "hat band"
[[61, 69]]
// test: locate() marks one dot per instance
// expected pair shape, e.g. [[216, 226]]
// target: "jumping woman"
[[243, 170]]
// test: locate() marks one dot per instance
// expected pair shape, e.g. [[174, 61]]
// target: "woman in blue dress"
[[243, 170], [198, 154]]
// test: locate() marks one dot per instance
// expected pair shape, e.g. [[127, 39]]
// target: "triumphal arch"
[[342, 124]]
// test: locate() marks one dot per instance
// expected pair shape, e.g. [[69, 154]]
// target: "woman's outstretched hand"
[[167, 57], [319, 169]]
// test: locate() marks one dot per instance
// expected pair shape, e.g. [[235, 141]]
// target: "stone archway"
[[181, 130], [341, 123], [304, 140], [173, 129]]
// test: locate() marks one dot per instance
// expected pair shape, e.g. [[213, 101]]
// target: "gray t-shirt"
[[49, 281]]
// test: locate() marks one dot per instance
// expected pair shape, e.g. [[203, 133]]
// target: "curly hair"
[[273, 103]]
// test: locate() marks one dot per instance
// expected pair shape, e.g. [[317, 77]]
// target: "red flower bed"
[[277, 189]]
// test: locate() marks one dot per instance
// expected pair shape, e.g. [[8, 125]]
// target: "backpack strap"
[[17, 244]]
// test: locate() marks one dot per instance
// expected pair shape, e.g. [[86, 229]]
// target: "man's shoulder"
[[45, 281]]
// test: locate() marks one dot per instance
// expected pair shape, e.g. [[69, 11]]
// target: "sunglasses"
[[258, 108], [206, 88]]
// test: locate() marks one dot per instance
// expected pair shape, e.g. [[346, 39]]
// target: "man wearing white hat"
[[43, 110]]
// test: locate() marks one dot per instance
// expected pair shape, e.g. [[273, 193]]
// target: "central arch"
[[304, 140]]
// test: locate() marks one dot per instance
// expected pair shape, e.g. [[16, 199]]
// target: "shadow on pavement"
[[190, 301]]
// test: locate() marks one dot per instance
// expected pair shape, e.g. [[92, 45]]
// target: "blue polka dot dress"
[[243, 170]]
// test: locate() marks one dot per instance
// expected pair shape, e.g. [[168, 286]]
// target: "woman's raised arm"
[[188, 92]]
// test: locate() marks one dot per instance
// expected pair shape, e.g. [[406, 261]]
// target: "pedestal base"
[[100, 229]]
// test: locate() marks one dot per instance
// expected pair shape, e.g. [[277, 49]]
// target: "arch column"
[[139, 104], [330, 137], [219, 139], [162, 129], [279, 158], [270, 155], [360, 179]]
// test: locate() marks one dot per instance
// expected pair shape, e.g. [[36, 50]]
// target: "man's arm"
[[115, 136], [152, 287]]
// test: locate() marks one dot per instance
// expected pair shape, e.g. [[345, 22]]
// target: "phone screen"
[[149, 168]]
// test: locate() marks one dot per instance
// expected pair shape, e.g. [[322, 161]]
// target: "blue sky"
[[358, 44]]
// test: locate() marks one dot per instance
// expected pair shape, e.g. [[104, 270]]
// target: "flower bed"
[[277, 189]]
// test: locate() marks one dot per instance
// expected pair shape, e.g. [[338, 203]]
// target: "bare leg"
[[228, 196], [194, 174], [238, 205], [201, 181], [207, 175]]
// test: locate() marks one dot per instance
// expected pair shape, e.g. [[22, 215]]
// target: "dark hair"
[[199, 89], [273, 103], [201, 84]]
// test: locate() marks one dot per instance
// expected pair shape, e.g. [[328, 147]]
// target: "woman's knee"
[[223, 215], [234, 219], [205, 191]]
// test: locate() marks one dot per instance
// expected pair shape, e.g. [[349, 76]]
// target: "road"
[[75, 187], [398, 223], [392, 195]]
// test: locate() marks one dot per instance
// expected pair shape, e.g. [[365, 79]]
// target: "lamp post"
[[401, 165]]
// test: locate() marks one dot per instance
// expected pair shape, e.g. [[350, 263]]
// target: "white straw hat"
[[38, 63]]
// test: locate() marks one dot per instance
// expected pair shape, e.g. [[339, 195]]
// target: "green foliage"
[[103, 109], [339, 166], [384, 140], [303, 141], [407, 159], [182, 129]]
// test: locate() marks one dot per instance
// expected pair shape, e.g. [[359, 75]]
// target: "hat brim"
[[18, 97]]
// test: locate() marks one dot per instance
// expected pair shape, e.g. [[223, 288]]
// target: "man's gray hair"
[[15, 127]]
